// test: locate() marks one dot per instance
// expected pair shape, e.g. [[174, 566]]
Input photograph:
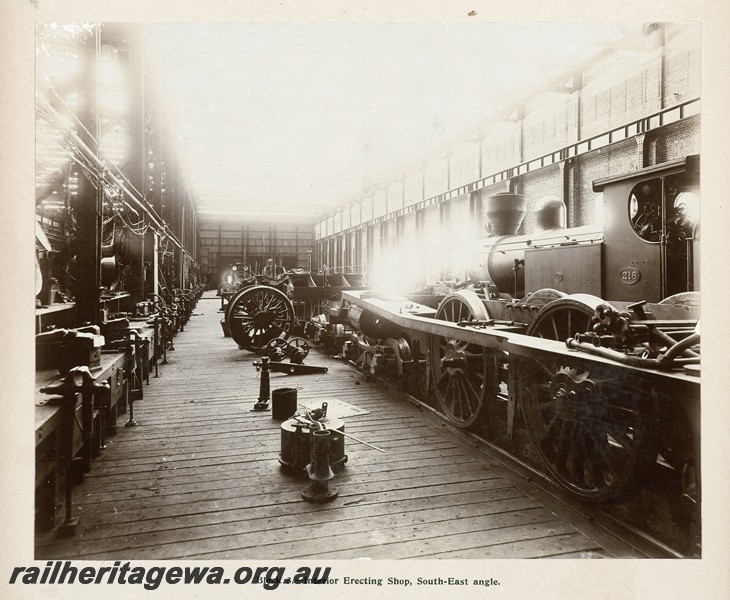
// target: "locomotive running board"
[[409, 315]]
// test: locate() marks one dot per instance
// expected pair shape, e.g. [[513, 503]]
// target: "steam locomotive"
[[648, 251], [601, 394]]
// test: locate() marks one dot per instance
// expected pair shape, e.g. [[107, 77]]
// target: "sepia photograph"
[[382, 306]]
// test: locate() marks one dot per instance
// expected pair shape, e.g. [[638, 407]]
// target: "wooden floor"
[[199, 477]]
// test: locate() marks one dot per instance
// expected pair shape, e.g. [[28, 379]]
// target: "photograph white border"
[[708, 577]]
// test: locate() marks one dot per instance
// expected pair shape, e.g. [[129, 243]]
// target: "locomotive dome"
[[549, 214]]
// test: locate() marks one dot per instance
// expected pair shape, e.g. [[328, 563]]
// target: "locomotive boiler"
[[647, 250], [574, 348]]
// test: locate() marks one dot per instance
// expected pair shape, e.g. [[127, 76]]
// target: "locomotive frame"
[[609, 391]]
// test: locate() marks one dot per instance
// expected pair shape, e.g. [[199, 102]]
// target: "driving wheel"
[[259, 314], [592, 426], [463, 374]]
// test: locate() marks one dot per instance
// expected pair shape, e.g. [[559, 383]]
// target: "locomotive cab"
[[651, 235]]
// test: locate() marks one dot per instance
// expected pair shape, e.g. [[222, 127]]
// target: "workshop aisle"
[[199, 477]]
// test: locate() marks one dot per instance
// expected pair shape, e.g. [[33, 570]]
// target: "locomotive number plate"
[[630, 275]]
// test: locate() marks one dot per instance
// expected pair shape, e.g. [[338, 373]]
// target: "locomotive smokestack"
[[503, 213]]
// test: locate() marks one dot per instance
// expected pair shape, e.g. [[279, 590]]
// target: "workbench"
[[144, 356], [92, 424]]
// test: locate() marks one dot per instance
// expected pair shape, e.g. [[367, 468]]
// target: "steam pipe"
[[148, 210], [665, 361], [672, 343], [680, 347]]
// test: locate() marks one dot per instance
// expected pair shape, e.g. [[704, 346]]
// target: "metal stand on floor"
[[131, 422], [264, 389], [319, 470]]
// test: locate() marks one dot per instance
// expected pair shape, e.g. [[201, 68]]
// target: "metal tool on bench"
[[159, 322], [118, 333], [67, 348], [133, 346], [136, 347]]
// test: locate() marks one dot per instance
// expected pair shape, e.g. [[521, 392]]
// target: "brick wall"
[[395, 196], [367, 209], [624, 94], [678, 140], [550, 125], [623, 87], [436, 177], [682, 76], [623, 157], [379, 203], [535, 186]]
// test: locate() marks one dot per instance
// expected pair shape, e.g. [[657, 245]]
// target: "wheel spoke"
[[621, 439], [563, 447], [602, 468], [463, 398], [449, 382], [555, 328], [469, 389], [553, 426]]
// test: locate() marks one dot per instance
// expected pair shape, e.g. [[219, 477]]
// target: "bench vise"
[[64, 349]]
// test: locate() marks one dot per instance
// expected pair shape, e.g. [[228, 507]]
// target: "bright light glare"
[[599, 217], [113, 103], [461, 237], [397, 274], [337, 108], [412, 263], [691, 203], [115, 145], [113, 74]]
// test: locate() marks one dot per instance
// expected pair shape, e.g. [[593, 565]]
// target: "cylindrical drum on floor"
[[283, 403], [296, 445]]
